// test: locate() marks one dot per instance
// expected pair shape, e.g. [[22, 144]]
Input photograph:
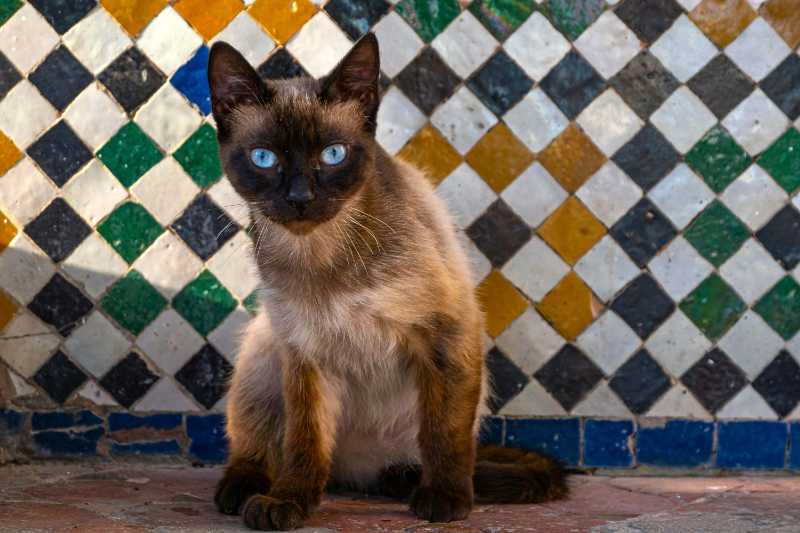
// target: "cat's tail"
[[509, 475]]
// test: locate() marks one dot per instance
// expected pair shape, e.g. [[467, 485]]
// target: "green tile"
[[251, 302], [713, 307], [130, 229], [129, 154], [8, 8], [199, 156], [782, 160], [718, 159], [501, 17], [133, 302], [428, 17], [716, 233], [204, 303], [572, 17], [780, 307]]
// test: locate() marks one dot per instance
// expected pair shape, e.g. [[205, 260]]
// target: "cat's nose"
[[300, 192]]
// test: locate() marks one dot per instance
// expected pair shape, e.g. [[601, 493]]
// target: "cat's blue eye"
[[263, 158], [334, 154]]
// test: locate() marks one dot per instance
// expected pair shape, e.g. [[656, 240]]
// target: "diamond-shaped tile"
[[59, 377], [399, 43], [758, 50], [647, 158], [25, 113], [570, 307], [534, 195], [225, 196], [606, 110], [168, 264], [165, 395], [9, 154], [130, 229], [499, 157], [281, 65], [234, 266], [24, 191], [463, 120], [536, 46], [129, 154], [754, 197], [751, 344], [608, 342], [609, 193], [248, 37], [649, 18], [96, 40], [714, 380], [608, 44], [398, 121], [780, 307], [535, 269], [606, 268], [716, 233], [466, 194], [167, 118], [529, 341], [681, 195], [191, 79], [94, 116], [722, 20], [9, 76], [721, 85], [601, 402], [133, 302], [783, 17], [572, 18], [781, 237], [535, 120], [781, 89], [782, 160], [679, 268], [60, 77], [573, 84], [24, 269], [431, 152], [319, 45], [24, 347], [26, 38], [507, 378], [166, 176], [427, 19], [204, 227], [464, 44], [7, 231], [500, 301], [501, 18], [572, 230], [427, 81], [97, 344], [779, 384], [751, 271], [756, 122], [94, 192], [205, 376], [643, 231], [204, 303], [169, 341], [499, 233], [199, 156], [226, 337], [7, 310], [133, 17], [500, 83], [63, 15], [640, 382], [356, 18], [670, 119], [572, 158], [168, 41], [132, 79], [60, 304], [677, 344], [569, 376], [643, 305], [208, 18], [95, 265], [713, 306], [58, 230], [282, 19], [129, 380], [718, 159], [683, 49], [644, 84], [59, 153]]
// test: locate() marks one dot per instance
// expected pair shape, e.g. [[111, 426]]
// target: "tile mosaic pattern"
[[625, 176]]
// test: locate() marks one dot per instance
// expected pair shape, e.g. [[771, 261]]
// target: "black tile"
[[647, 158], [643, 231], [714, 380], [427, 81], [205, 375], [644, 84], [58, 230], [499, 233], [60, 153], [132, 79], [9, 76], [281, 65], [649, 18], [569, 376], [640, 382], [781, 237], [60, 304], [721, 85], [129, 380], [204, 227], [63, 14], [643, 305], [356, 17], [783, 88], [59, 377], [60, 77], [779, 383], [500, 83], [573, 84], [506, 378]]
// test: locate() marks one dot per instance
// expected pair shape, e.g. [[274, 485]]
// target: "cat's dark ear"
[[356, 78], [233, 82]]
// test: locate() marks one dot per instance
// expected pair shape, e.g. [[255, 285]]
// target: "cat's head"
[[296, 150]]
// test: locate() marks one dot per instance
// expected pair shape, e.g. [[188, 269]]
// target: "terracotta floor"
[[173, 498]]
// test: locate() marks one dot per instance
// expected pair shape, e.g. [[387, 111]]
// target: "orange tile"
[[723, 20], [7, 310], [572, 230], [9, 154], [208, 18], [501, 302], [784, 16], [570, 307], [431, 153], [282, 18], [572, 158], [499, 157], [7, 231], [134, 15]]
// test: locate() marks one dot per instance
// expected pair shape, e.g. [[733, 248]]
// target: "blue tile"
[[752, 444], [556, 438], [119, 421], [192, 80], [166, 447], [606, 443], [61, 420], [794, 452], [207, 437], [681, 443], [56, 443], [10, 421], [492, 430]]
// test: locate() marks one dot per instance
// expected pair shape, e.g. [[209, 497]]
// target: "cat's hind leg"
[[243, 478]]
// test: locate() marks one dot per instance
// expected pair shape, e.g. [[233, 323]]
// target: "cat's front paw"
[[236, 487], [437, 504], [268, 514]]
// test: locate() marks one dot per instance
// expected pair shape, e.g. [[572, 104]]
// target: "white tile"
[[95, 116], [608, 44], [479, 264], [609, 122], [399, 44], [224, 195], [465, 44], [94, 265], [165, 396], [677, 344], [463, 120], [609, 193], [165, 190], [681, 195], [678, 402], [24, 269], [466, 194], [169, 341], [606, 268], [536, 120], [670, 119], [535, 269], [247, 36], [168, 41], [534, 195], [24, 192], [398, 120], [608, 342], [529, 341], [94, 192], [234, 265], [27, 343], [319, 45], [19, 386], [602, 401], [756, 122], [751, 344], [97, 345], [532, 400], [751, 271], [26, 38], [97, 40], [168, 118], [168, 264], [758, 49], [227, 336], [24, 114], [92, 392], [683, 49], [754, 197], [679, 268], [536, 46], [747, 404]]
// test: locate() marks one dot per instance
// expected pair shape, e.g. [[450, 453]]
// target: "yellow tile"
[[431, 153], [784, 16], [7, 310], [499, 157], [572, 158], [7, 231], [208, 18], [572, 230], [282, 18], [570, 307], [723, 20], [501, 302], [9, 154], [134, 15]]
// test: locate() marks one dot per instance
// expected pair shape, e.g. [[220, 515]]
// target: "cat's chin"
[[301, 227]]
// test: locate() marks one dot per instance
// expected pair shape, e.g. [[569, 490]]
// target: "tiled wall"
[[624, 174]]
